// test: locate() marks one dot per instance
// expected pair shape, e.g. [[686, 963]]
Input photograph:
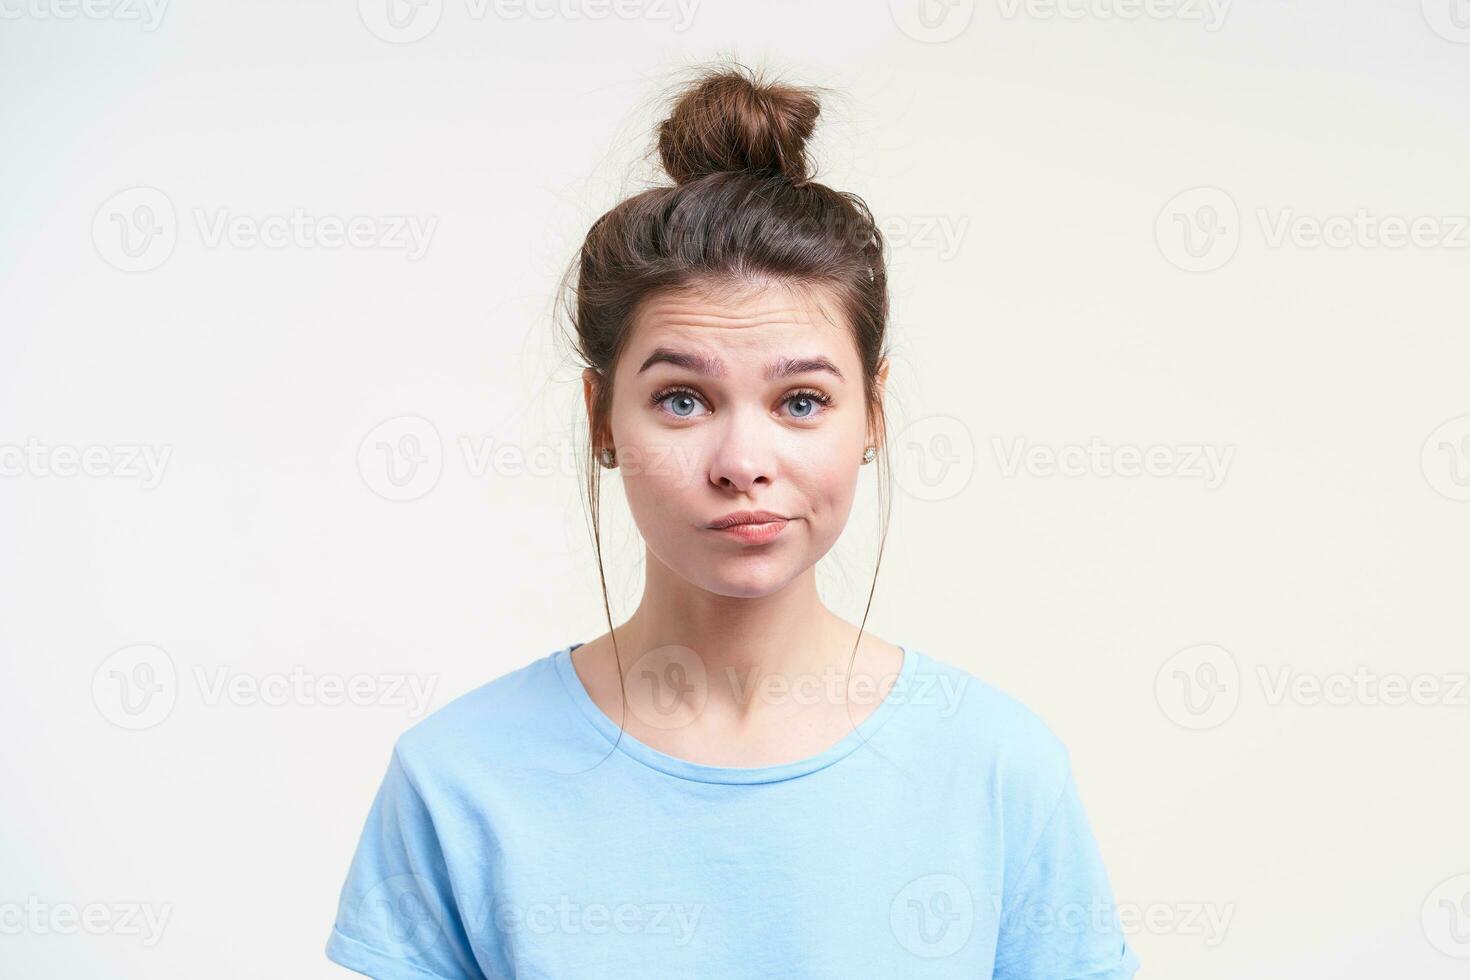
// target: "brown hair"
[[743, 210]]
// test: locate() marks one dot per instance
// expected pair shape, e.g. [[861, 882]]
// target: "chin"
[[744, 579]]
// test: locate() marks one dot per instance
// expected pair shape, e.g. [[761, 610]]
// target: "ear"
[[590, 382], [880, 382]]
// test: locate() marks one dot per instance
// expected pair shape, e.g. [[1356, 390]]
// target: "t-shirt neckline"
[[699, 772]]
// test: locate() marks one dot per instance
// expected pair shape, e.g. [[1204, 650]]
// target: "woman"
[[781, 794]]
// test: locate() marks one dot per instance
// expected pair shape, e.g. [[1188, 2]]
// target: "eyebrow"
[[715, 368]]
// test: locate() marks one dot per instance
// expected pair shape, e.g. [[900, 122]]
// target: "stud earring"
[[607, 458], [870, 454]]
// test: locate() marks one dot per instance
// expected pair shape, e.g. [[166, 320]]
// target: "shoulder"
[[492, 725], [991, 731]]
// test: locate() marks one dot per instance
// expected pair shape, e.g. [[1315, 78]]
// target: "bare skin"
[[731, 658], [760, 730]]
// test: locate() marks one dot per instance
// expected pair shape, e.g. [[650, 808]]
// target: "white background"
[[1026, 163]]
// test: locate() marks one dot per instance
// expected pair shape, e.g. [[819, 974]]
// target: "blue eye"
[[810, 400], [681, 402], [684, 398]]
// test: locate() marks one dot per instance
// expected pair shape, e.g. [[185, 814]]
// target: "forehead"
[[742, 324]]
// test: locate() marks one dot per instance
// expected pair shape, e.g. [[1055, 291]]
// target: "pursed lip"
[[746, 517]]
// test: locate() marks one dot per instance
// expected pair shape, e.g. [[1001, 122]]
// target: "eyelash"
[[821, 398]]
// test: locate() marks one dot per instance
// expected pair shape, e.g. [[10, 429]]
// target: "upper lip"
[[745, 517]]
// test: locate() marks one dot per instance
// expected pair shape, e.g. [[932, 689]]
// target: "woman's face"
[[747, 403]]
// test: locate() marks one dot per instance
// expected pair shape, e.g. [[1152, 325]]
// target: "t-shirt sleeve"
[[397, 918], [1058, 917]]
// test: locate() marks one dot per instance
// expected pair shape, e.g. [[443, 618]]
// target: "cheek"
[[661, 476], [825, 475], [647, 455]]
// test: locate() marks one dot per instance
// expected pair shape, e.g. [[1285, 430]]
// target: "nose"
[[744, 455]]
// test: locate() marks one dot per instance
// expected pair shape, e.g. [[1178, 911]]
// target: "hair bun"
[[727, 120]]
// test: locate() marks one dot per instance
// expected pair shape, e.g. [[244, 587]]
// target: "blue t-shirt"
[[942, 838]]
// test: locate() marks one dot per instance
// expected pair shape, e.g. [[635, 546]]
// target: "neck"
[[789, 633]]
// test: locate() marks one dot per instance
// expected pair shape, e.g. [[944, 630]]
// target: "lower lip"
[[754, 533]]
